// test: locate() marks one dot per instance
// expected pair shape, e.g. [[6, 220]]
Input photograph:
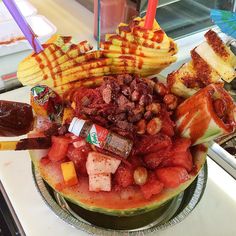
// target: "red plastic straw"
[[151, 13]]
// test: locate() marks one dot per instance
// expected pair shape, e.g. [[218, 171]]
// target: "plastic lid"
[[76, 126]]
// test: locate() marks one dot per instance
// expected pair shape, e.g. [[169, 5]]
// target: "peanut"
[[140, 175], [155, 108], [161, 89], [135, 96], [141, 127], [171, 101], [154, 126]]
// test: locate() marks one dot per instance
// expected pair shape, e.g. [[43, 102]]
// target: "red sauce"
[[140, 63], [202, 102], [123, 50], [52, 52], [15, 118], [171, 79], [125, 29], [12, 40], [66, 39], [201, 121], [216, 43], [202, 69], [158, 36], [45, 77]]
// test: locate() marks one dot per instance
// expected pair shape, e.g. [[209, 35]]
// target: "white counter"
[[215, 215]]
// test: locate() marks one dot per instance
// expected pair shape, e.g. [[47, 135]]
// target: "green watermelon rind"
[[167, 194]]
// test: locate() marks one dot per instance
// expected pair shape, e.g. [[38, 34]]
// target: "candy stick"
[[24, 26], [151, 13], [26, 144]]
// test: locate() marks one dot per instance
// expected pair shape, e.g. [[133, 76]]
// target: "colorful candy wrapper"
[[47, 103]]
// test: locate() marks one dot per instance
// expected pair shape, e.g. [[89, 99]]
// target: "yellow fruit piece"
[[69, 173], [58, 63], [86, 82], [38, 109], [68, 115]]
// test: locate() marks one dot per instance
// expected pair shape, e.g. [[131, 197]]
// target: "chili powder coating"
[[15, 118]]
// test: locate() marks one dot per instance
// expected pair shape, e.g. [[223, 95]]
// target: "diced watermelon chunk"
[[153, 160], [100, 182], [180, 155], [153, 143], [135, 161], [152, 187], [124, 176], [59, 148], [181, 159], [181, 144], [167, 125], [100, 163], [79, 143], [79, 157], [172, 177]]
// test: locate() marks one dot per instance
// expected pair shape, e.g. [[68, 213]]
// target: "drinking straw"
[[151, 13], [24, 26]]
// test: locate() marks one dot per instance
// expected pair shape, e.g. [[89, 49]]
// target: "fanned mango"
[[64, 64], [117, 40], [52, 56], [135, 49], [68, 68], [91, 82]]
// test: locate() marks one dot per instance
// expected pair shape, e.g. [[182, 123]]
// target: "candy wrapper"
[[47, 103]]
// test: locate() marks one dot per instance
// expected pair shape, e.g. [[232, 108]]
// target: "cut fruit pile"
[[119, 194], [160, 165], [139, 51], [211, 61], [163, 160]]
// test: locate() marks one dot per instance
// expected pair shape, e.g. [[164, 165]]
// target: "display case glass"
[[183, 17]]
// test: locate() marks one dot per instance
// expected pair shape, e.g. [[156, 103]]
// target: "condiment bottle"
[[16, 118], [101, 137]]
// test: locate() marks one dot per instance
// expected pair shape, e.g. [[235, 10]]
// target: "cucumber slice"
[[197, 118]]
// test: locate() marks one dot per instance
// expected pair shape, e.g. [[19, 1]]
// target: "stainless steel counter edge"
[[223, 158]]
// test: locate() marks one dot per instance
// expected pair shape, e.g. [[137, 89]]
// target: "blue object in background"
[[225, 20]]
